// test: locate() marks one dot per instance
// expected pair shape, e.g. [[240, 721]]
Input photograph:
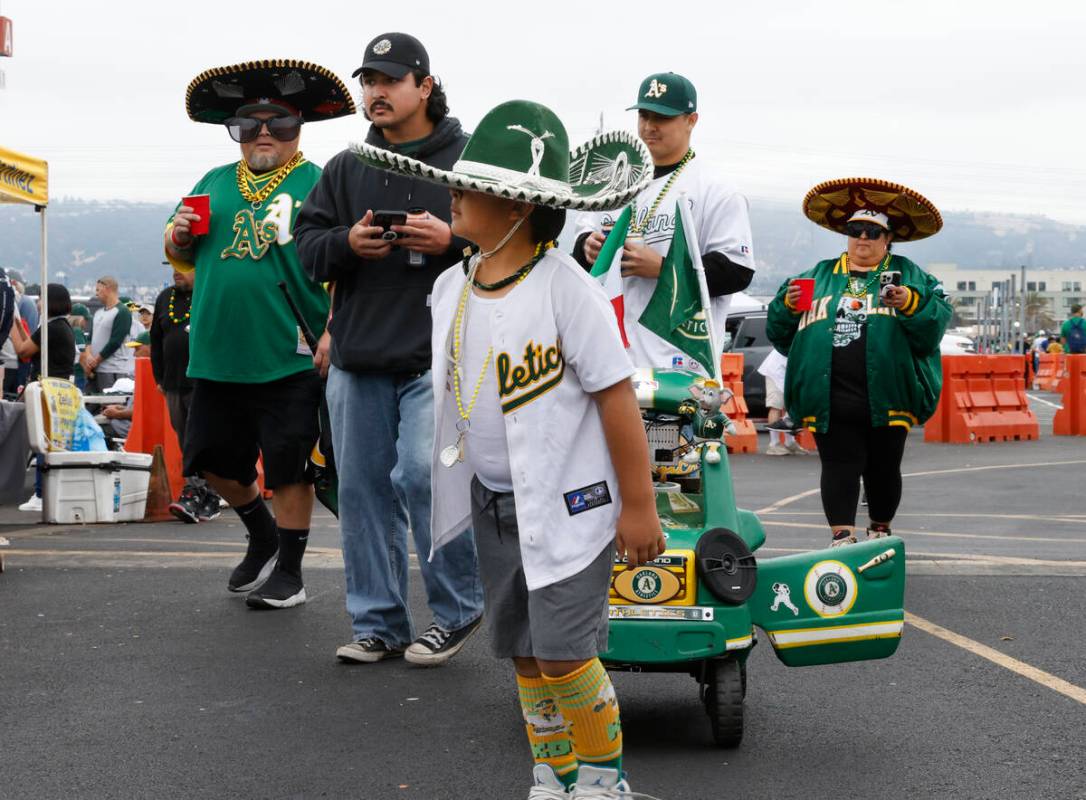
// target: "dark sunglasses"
[[246, 129], [857, 229]]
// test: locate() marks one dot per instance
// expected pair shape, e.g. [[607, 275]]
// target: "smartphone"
[[888, 278], [386, 219]]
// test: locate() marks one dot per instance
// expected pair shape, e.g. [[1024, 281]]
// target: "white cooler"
[[95, 487], [85, 487]]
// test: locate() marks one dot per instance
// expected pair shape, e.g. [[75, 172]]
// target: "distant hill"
[[91, 238]]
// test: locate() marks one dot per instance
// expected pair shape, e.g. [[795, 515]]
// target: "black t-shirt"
[[848, 370], [61, 350], [170, 340]]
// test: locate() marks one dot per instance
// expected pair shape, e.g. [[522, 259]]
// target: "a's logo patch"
[[382, 47], [650, 585]]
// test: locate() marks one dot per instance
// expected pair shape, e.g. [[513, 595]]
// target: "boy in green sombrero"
[[539, 444]]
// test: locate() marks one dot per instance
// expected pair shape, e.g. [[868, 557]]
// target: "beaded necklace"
[[173, 319], [540, 249], [249, 184], [454, 453], [853, 286], [637, 229]]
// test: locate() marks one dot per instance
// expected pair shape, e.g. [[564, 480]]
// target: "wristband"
[[175, 243]]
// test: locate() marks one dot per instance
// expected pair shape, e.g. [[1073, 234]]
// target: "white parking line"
[[1049, 681]]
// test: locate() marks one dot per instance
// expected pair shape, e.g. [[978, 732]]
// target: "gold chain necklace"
[[454, 453], [247, 181], [852, 285], [636, 229]]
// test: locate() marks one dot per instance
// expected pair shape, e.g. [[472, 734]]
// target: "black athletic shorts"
[[231, 424]]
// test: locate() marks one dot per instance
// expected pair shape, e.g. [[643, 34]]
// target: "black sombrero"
[[312, 91]]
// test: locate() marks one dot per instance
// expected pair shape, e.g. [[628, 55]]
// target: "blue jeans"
[[382, 437]]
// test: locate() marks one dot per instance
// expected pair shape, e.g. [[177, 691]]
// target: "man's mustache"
[[379, 104]]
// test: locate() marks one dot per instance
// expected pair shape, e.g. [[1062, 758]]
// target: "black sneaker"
[[210, 505], [784, 424], [282, 589], [253, 570], [187, 507], [437, 645], [367, 650]]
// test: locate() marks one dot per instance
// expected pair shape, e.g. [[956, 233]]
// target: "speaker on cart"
[[726, 566]]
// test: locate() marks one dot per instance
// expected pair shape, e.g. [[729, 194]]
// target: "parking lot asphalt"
[[127, 670]]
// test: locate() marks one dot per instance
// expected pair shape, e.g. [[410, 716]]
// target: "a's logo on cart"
[[647, 584], [830, 589]]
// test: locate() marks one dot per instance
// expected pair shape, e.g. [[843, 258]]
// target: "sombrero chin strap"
[[504, 241]]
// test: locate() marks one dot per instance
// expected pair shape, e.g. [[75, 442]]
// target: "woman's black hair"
[[58, 302], [437, 105], [546, 223]]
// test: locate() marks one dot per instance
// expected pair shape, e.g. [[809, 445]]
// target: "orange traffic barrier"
[[745, 439], [151, 425], [159, 495], [1071, 419], [983, 400], [806, 440], [1051, 369]]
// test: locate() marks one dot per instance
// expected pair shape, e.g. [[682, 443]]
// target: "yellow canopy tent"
[[26, 180]]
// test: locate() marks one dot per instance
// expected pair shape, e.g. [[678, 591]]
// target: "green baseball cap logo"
[[668, 94]]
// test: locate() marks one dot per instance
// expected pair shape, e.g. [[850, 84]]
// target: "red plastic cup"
[[806, 293], [200, 204]]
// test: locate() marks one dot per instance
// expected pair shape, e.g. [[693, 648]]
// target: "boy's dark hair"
[[1076, 308], [437, 105], [546, 223], [58, 302]]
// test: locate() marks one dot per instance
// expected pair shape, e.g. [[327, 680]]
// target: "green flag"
[[674, 311]]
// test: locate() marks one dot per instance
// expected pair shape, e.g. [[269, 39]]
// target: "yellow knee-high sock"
[[587, 699], [548, 730]]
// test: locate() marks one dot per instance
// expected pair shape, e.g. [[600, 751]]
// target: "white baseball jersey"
[[555, 342], [722, 218]]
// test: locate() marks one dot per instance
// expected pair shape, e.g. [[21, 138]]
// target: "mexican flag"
[[608, 269], [678, 311]]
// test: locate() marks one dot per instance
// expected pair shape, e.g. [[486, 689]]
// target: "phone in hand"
[[888, 278], [385, 220]]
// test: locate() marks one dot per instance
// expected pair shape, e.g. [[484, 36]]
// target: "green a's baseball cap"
[[667, 93]]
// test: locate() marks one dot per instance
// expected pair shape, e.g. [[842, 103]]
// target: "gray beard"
[[263, 163]]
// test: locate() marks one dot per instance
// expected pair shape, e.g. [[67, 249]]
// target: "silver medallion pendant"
[[451, 455]]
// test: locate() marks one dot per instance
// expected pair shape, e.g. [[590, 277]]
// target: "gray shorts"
[[566, 621]]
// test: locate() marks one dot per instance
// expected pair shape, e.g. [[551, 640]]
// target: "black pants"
[[851, 450]]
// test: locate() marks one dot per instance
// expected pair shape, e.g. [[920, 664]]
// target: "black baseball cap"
[[394, 54]]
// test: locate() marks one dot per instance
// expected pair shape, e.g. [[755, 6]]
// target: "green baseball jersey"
[[242, 329]]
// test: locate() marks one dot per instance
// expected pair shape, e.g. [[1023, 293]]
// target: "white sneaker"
[[33, 504], [795, 448], [777, 450], [604, 784], [548, 786], [843, 541]]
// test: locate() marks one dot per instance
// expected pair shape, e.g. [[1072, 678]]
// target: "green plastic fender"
[[833, 605]]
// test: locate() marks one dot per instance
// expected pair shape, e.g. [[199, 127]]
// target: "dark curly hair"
[[437, 105]]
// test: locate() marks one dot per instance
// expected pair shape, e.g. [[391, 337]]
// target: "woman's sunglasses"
[[856, 229], [246, 129]]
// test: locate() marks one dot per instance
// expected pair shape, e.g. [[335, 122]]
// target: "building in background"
[[1049, 292]]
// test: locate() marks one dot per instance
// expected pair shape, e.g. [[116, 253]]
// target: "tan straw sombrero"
[[911, 215]]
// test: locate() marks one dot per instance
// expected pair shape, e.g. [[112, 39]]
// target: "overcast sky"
[[978, 105]]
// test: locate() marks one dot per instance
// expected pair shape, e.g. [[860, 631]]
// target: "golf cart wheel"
[[724, 701]]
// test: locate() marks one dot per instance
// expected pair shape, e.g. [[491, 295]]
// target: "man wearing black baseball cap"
[[379, 396]]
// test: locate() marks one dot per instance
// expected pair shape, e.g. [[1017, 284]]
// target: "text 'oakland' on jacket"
[[904, 365], [380, 308]]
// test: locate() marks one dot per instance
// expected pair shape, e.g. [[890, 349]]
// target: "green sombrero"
[[911, 215], [310, 90], [520, 151]]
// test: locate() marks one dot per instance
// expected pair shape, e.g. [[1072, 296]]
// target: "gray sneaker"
[[367, 650]]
